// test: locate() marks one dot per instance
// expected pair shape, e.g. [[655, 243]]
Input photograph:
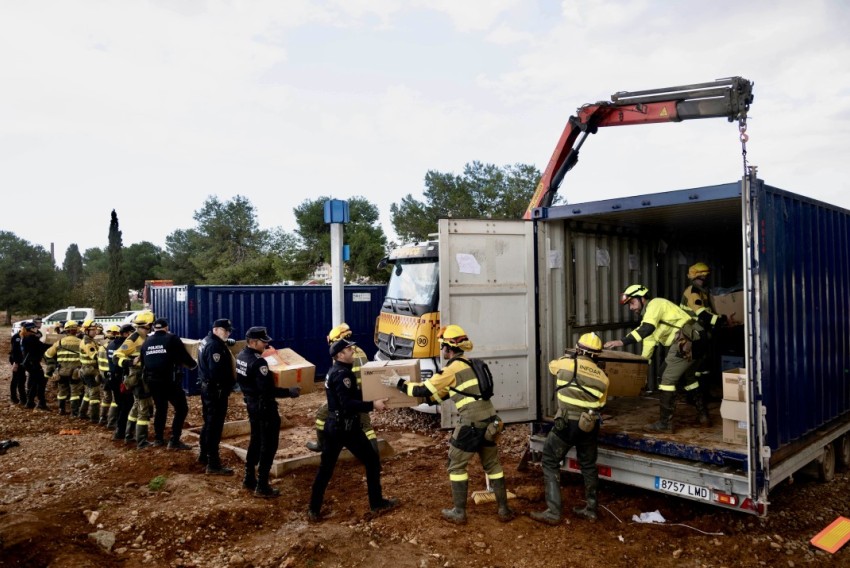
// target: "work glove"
[[126, 363], [392, 382], [230, 342], [50, 370], [294, 392]]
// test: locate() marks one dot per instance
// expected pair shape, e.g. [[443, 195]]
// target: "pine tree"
[[116, 282]]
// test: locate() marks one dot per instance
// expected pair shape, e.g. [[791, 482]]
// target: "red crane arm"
[[729, 98]]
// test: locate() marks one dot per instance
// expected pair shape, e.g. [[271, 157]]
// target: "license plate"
[[684, 489]]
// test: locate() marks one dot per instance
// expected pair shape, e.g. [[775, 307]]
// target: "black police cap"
[[338, 346], [258, 333], [225, 323]]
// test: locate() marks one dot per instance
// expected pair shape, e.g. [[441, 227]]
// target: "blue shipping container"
[[297, 317]]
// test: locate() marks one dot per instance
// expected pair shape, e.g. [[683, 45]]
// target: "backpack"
[[484, 376]]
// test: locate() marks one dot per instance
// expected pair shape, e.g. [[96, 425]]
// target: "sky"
[[149, 107]]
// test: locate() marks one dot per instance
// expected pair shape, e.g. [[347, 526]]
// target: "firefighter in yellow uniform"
[[666, 324], [478, 424], [63, 358], [108, 406], [128, 358], [696, 301], [90, 372], [343, 331], [582, 389]]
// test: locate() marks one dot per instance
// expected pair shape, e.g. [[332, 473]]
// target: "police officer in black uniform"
[[259, 390], [32, 350], [216, 379], [122, 396], [163, 353], [19, 376], [343, 429]]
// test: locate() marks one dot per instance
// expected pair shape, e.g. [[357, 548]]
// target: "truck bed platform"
[[623, 419]]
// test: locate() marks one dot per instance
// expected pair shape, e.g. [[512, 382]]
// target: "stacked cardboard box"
[[627, 372], [734, 407], [730, 305], [372, 372]]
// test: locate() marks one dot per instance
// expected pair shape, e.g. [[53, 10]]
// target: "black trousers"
[[18, 386], [165, 393], [36, 385], [337, 438], [214, 406], [265, 437], [125, 403]]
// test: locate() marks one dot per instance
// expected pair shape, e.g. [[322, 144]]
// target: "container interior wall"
[[803, 262], [600, 259]]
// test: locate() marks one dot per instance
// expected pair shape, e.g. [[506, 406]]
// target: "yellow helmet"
[[114, 328], [633, 291], [88, 324], [342, 331], [698, 270], [70, 324], [144, 318], [454, 336], [590, 343]]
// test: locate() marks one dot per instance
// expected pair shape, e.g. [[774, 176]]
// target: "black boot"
[[589, 510], [75, 408], [215, 468], [62, 410], [249, 482], [665, 423], [458, 513], [375, 446], [552, 514], [95, 413], [112, 417], [702, 408], [498, 487], [83, 412], [319, 444], [263, 488], [142, 436]]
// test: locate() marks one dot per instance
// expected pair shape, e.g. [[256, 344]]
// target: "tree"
[[94, 261], [483, 191], [226, 247], [177, 263], [29, 281], [117, 297], [364, 235], [72, 266], [142, 262]]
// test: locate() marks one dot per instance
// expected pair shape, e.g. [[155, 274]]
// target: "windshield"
[[413, 287]]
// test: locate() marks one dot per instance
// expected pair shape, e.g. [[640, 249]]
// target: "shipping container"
[[297, 317], [525, 292]]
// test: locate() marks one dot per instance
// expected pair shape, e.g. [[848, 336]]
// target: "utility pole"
[[336, 215]]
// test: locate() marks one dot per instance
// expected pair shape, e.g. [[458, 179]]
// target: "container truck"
[[526, 291]]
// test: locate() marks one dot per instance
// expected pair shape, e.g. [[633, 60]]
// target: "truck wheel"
[[842, 451], [826, 464]]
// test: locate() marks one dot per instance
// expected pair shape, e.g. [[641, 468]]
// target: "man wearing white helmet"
[[582, 388], [666, 324]]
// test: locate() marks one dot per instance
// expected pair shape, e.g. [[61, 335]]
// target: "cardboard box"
[[192, 347], [290, 369], [734, 414], [735, 385], [730, 305], [730, 362], [627, 372], [372, 372]]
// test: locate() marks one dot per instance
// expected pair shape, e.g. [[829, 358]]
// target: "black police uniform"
[[216, 379], [259, 391], [162, 355], [122, 397], [343, 430], [18, 385], [33, 351]]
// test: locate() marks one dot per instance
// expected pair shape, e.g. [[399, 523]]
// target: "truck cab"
[[409, 321]]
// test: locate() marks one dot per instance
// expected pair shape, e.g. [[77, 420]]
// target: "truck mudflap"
[[720, 486]]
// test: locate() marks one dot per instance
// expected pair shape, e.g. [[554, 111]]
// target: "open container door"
[[487, 288]]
